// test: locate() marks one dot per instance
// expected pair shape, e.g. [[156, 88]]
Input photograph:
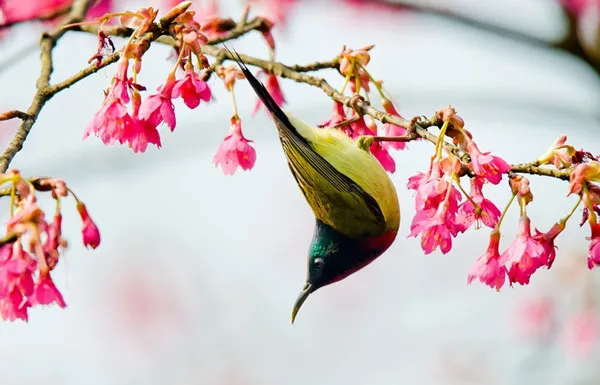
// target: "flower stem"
[[74, 196], [497, 228], [13, 197], [439, 145], [375, 82], [235, 109], [592, 214], [179, 58], [345, 84], [565, 219], [461, 188]]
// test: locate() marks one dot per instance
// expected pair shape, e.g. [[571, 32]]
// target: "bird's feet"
[[365, 141]]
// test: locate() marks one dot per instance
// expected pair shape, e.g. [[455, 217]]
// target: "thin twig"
[[14, 114]]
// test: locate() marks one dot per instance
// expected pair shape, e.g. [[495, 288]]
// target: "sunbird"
[[353, 199]]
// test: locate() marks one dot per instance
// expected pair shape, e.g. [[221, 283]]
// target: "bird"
[[353, 199]]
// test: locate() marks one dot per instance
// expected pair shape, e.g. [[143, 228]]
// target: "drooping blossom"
[[383, 156], [45, 292], [486, 212], [431, 188], [235, 150], [524, 255], [159, 108], [485, 165], [32, 248], [191, 88], [594, 247], [436, 203], [272, 86], [90, 232], [546, 240], [337, 117], [113, 122]]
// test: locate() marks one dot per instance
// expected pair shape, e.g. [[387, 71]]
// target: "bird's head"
[[332, 257]]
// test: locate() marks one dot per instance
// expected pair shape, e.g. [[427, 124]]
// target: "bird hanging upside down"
[[353, 199]]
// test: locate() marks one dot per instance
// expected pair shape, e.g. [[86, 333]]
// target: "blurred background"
[[197, 272]]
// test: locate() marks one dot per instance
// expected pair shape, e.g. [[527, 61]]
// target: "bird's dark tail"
[[261, 91]]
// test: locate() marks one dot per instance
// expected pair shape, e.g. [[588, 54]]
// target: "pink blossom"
[[489, 213], [272, 86], [111, 123], [159, 108], [54, 241], [90, 232], [338, 116], [547, 241], [191, 89], [16, 282], [524, 255], [432, 189], [144, 134], [485, 165], [580, 334], [383, 156], [46, 293], [436, 228], [487, 268], [235, 150], [594, 249], [358, 128]]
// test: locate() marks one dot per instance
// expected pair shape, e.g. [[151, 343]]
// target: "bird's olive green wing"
[[335, 198]]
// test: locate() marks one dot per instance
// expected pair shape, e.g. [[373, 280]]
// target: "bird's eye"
[[319, 263]]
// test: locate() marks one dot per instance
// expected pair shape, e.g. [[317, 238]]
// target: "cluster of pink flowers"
[[31, 248], [137, 127], [528, 252], [353, 66]]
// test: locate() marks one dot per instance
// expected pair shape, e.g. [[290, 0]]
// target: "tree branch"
[[41, 96]]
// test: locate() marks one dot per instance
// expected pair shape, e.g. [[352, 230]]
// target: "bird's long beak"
[[300, 300]]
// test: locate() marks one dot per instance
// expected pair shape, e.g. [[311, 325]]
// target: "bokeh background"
[[197, 272]]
